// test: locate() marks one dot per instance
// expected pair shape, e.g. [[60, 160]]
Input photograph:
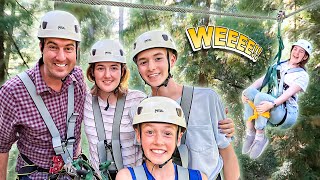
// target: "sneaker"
[[258, 147], [247, 142]]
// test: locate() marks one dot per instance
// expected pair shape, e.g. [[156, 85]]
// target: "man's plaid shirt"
[[21, 121]]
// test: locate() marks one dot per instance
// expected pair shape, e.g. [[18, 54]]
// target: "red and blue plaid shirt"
[[21, 122]]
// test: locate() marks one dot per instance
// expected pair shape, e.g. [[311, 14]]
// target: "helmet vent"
[[179, 112], [93, 52], [76, 28], [134, 45], [139, 110], [44, 25], [121, 52], [165, 37]]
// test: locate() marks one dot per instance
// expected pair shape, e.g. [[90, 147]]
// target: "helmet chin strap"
[[160, 165]]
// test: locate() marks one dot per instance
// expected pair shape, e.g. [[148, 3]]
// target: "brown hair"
[[124, 80]]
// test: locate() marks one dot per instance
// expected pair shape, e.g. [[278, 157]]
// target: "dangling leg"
[[250, 93], [260, 141]]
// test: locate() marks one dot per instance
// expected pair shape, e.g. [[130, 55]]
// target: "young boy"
[[159, 124]]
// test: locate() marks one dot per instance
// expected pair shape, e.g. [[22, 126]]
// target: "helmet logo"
[[61, 27], [44, 25], [158, 110], [147, 40], [107, 52], [165, 37]]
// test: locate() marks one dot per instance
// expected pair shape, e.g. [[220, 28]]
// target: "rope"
[[165, 8], [314, 4]]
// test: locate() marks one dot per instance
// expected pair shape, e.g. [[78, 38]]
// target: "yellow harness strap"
[[255, 112]]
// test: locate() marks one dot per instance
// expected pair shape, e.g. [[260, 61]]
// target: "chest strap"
[[63, 148], [112, 154]]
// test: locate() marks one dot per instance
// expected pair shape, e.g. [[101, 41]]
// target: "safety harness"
[[180, 156], [109, 153], [63, 148], [183, 173]]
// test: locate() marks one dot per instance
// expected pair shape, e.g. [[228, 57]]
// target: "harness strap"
[[71, 123], [181, 156], [183, 173], [104, 154], [29, 168], [281, 83], [116, 147], [186, 102], [255, 112], [140, 173], [59, 148]]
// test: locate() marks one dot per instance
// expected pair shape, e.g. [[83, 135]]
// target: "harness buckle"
[[57, 164]]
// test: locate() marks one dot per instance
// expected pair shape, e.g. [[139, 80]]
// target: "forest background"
[[292, 154]]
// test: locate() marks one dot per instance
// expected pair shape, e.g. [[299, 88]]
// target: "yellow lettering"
[[220, 36], [232, 38], [243, 40], [250, 47], [202, 36]]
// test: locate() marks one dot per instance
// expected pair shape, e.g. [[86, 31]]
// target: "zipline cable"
[[165, 8], [182, 10]]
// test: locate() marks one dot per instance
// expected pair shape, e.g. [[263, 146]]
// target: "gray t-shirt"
[[203, 137]]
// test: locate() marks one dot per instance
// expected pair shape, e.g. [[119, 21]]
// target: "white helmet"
[[306, 45], [107, 51], [153, 39], [59, 24], [159, 109]]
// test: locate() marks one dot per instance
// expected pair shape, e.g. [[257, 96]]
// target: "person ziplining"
[[278, 106]]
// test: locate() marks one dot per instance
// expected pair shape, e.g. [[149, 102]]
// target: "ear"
[[305, 57], [179, 138], [138, 138], [40, 46], [173, 59]]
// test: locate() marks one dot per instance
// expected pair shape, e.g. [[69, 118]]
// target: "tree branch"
[[18, 49]]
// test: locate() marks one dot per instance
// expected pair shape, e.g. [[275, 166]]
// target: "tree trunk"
[[121, 24], [2, 60], [203, 80]]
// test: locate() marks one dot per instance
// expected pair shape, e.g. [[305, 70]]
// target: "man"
[[155, 54], [39, 140]]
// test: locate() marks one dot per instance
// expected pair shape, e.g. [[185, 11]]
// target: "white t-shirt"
[[300, 78]]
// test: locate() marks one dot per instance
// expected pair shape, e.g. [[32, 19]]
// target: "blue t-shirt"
[[193, 174]]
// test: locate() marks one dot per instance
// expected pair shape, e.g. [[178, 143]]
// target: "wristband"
[[274, 105]]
